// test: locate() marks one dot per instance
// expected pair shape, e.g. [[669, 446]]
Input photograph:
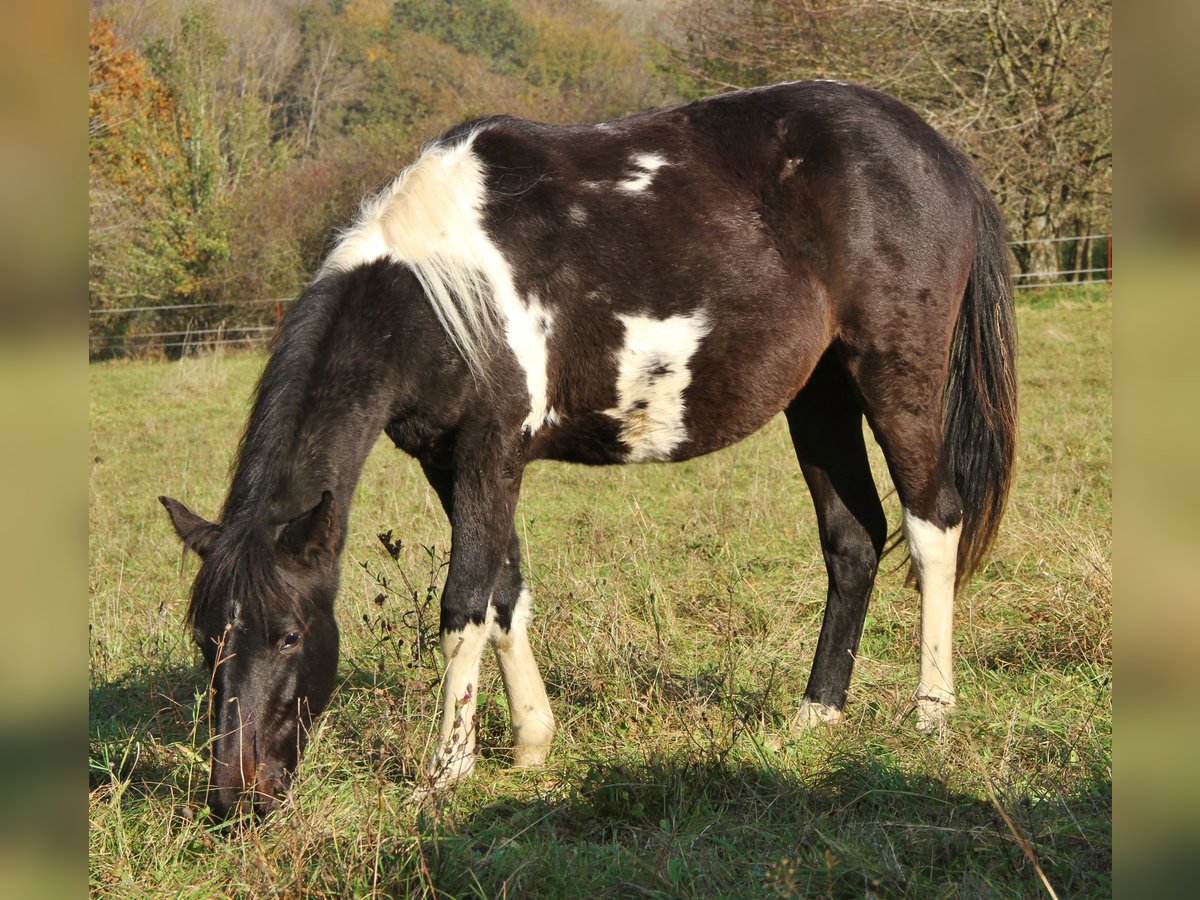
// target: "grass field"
[[676, 612]]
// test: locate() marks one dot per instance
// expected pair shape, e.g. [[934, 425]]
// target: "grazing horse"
[[652, 288]]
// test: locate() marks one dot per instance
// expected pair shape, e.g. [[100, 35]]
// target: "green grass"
[[677, 609]]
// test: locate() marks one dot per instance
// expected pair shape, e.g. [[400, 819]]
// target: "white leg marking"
[[645, 165], [532, 719], [455, 754], [652, 375], [934, 553]]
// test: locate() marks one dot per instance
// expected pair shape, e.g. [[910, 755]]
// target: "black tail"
[[980, 403]]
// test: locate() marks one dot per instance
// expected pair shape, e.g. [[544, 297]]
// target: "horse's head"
[[262, 614]]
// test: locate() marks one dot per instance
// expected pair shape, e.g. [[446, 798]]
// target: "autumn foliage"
[[227, 141]]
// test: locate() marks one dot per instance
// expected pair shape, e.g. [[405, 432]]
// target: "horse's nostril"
[[225, 803]]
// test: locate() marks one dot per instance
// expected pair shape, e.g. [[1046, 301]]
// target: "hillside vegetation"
[[228, 140]]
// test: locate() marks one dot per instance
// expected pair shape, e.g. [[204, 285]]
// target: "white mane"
[[429, 218]]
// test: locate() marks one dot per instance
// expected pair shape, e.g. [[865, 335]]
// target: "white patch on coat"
[[934, 553], [645, 164], [577, 214], [532, 719], [527, 329], [651, 378], [430, 218]]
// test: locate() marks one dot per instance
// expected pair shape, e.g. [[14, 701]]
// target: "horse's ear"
[[196, 533], [314, 536]]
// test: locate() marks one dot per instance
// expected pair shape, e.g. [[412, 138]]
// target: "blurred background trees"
[[227, 140], [1023, 86]]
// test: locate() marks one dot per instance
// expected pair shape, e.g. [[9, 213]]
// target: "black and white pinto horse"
[[652, 288]]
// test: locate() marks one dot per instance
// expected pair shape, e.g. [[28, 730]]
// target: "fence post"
[[278, 312], [1108, 266]]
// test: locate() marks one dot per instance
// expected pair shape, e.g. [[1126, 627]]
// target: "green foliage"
[[163, 182], [490, 29], [228, 141], [586, 57]]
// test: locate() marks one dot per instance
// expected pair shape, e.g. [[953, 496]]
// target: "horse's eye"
[[290, 641]]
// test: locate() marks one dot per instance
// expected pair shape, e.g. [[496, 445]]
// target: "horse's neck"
[[287, 463], [334, 443]]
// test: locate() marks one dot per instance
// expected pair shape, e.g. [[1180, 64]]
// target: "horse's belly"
[[665, 411], [671, 387]]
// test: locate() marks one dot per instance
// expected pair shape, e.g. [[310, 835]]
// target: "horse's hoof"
[[813, 715], [530, 756], [443, 772], [933, 711]]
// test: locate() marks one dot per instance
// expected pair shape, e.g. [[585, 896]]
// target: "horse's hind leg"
[[904, 408], [825, 421]]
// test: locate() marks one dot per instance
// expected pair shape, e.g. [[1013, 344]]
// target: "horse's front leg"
[[484, 500], [532, 719]]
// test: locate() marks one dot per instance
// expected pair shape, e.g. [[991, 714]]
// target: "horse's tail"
[[979, 429]]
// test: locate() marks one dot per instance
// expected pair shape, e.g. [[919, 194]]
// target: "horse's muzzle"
[[246, 790]]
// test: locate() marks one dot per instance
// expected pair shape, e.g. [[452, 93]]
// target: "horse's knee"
[[853, 541], [852, 563]]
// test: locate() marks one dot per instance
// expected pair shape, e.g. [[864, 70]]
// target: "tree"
[[177, 129], [134, 169], [228, 140], [1023, 86]]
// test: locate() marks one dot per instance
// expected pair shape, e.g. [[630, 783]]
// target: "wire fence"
[[105, 342]]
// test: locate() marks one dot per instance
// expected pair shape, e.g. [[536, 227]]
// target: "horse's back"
[[666, 283]]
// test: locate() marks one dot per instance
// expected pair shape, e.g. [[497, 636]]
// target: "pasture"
[[676, 608]]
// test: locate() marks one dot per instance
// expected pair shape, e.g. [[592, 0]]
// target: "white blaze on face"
[[934, 553], [652, 376], [430, 218], [645, 165]]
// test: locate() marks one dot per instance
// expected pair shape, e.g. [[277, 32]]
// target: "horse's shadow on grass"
[[138, 721], [849, 821], [713, 827], [852, 822]]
